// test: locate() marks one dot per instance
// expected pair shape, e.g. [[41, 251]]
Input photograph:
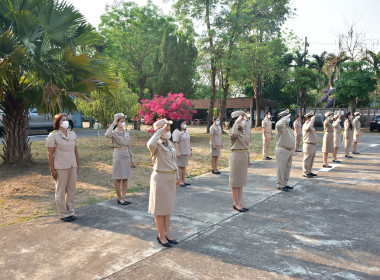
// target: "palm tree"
[[318, 63], [47, 57], [374, 60]]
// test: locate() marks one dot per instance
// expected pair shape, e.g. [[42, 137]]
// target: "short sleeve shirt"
[[64, 152], [183, 139], [216, 131]]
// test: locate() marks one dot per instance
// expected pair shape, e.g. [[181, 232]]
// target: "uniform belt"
[[239, 150], [283, 148], [167, 172], [311, 143], [122, 148]]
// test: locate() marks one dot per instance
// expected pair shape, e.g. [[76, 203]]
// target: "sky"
[[321, 21]]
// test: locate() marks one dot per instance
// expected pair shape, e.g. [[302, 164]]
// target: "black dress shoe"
[[356, 153], [284, 189], [308, 175], [173, 241], [187, 184], [348, 156], [337, 161], [313, 174], [182, 185], [73, 218], [67, 219], [246, 209], [327, 166], [268, 158], [213, 171], [289, 187], [217, 172], [167, 244], [124, 203], [239, 210]]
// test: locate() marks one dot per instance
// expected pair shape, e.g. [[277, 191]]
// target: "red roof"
[[239, 103]]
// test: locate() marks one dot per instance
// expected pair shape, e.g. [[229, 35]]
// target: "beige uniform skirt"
[[121, 166], [216, 152], [356, 138], [162, 193], [183, 161], [328, 142], [337, 140], [347, 143], [238, 162]]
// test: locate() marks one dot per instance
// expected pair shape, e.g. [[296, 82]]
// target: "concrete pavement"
[[326, 228]]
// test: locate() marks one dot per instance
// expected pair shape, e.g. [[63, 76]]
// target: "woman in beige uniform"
[[356, 134], [297, 126], [63, 159], [348, 134], [216, 144], [328, 138], [163, 181], [238, 160], [122, 157], [337, 136], [181, 139]]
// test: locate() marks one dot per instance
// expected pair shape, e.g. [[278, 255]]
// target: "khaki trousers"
[[309, 151], [298, 140], [65, 188], [284, 164], [266, 144]]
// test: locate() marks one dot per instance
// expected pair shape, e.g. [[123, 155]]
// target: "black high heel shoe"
[[167, 244], [172, 241], [239, 210]]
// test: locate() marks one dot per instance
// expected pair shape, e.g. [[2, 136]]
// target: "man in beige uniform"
[[284, 150], [297, 126], [356, 125], [310, 140], [266, 125]]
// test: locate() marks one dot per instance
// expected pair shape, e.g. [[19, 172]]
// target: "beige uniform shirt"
[[327, 126], [356, 125], [64, 152], [347, 130], [120, 139], [216, 131], [285, 136], [267, 125], [240, 138], [309, 134], [164, 156], [297, 128], [183, 139], [337, 127]]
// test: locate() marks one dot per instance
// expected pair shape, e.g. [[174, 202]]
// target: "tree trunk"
[[224, 103], [258, 99], [213, 68], [15, 120], [302, 103], [353, 104]]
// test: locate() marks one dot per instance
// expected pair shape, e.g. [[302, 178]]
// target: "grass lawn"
[[27, 191]]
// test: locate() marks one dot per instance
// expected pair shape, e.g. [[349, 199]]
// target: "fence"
[[367, 114]]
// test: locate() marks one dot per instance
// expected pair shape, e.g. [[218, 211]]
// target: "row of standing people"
[[169, 162]]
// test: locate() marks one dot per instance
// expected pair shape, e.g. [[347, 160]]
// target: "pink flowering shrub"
[[172, 107]]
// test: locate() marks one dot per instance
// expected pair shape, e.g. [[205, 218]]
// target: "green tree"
[[205, 11], [374, 60], [46, 60], [355, 83], [102, 106], [133, 37]]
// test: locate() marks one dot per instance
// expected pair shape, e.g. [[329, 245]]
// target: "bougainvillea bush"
[[172, 107]]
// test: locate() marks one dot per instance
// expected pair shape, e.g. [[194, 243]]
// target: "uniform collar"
[[63, 135]]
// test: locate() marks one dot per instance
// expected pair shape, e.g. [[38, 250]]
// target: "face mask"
[[167, 135], [288, 120], [352, 117], [217, 122], [269, 116], [243, 122], [122, 124], [65, 124], [358, 117], [184, 126]]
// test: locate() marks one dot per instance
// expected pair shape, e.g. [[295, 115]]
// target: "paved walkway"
[[326, 228]]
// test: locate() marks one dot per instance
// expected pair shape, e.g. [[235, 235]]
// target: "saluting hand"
[[240, 118]]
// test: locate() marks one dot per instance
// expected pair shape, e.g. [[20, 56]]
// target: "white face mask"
[[269, 116], [122, 124], [184, 126], [243, 122], [65, 124], [167, 135], [358, 117], [217, 122]]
